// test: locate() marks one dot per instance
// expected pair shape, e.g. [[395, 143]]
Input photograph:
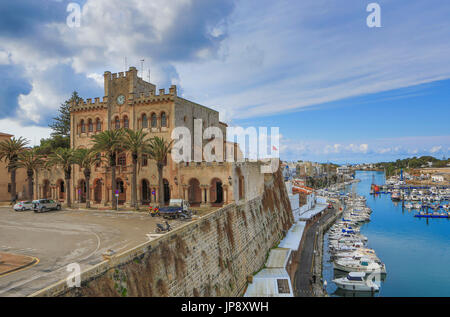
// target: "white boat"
[[356, 281], [362, 265]]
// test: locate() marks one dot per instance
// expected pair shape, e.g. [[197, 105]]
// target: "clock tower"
[[120, 89]]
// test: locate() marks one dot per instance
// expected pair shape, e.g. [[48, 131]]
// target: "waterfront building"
[[130, 102]]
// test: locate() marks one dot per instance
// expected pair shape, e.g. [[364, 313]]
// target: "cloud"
[[33, 133], [50, 59], [319, 51], [436, 149]]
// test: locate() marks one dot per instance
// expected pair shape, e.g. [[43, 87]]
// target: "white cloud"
[[436, 148], [31, 132]]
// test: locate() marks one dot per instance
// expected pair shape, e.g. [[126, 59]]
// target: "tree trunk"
[[113, 183], [36, 193], [87, 176], [13, 185], [67, 179], [161, 183], [134, 183], [30, 184]]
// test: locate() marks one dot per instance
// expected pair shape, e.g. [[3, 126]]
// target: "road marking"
[[24, 268]]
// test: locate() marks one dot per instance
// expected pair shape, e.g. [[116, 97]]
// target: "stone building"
[[5, 178], [130, 102]]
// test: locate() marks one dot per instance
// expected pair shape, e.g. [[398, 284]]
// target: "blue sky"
[[338, 90]]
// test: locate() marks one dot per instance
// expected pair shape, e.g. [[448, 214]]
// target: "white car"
[[23, 205]]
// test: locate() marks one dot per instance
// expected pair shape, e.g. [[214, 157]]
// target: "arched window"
[[117, 123], [90, 126], [83, 126], [122, 159], [125, 122], [144, 160], [99, 124], [153, 120], [163, 119], [144, 121]]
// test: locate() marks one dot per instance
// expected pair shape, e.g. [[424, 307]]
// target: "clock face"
[[121, 99]]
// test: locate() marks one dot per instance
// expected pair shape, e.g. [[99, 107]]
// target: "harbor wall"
[[212, 256]]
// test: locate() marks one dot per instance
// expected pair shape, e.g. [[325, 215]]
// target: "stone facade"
[[131, 102], [5, 178]]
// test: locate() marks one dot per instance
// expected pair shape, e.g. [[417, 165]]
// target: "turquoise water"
[[416, 251]]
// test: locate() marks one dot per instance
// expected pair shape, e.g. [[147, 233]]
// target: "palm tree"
[[64, 158], [137, 144], [158, 151], [31, 161], [86, 158], [110, 142], [9, 152]]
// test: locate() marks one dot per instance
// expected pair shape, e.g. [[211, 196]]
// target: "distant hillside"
[[413, 162]]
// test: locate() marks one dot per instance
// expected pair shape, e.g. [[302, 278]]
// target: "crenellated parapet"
[[88, 105], [152, 97]]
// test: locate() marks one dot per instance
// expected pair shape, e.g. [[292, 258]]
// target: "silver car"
[[42, 205], [23, 205]]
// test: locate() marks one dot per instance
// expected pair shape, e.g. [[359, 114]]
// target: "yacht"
[[356, 281], [362, 265]]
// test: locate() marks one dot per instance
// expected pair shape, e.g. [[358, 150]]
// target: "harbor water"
[[416, 251]]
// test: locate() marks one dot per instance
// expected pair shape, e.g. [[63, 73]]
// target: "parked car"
[[23, 205], [42, 205]]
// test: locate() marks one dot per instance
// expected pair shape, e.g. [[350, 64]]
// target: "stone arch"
[[144, 121], [195, 192], [46, 190], [82, 126], [216, 191], [116, 122], [145, 192], [90, 125], [163, 119], [166, 191], [153, 120], [98, 125], [82, 190], [241, 184], [61, 189], [97, 191], [120, 187]]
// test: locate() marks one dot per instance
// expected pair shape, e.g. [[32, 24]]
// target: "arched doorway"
[[97, 191], [216, 191], [120, 187], [145, 192], [166, 191], [241, 184], [195, 193], [61, 189], [46, 189], [82, 188]]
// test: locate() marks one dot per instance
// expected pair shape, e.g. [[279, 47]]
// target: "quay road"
[[59, 238], [304, 275]]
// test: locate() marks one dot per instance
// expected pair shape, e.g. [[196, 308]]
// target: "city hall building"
[[130, 102]]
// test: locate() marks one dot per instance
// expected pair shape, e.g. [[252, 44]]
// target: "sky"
[[338, 90]]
